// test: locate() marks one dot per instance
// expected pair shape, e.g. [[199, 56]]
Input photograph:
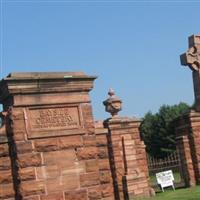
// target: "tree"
[[158, 132]]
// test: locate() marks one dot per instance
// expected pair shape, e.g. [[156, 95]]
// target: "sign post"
[[165, 179]]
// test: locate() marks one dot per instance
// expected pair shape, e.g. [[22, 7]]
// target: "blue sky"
[[132, 46]]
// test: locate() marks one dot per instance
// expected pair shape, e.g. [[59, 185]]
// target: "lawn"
[[179, 194]]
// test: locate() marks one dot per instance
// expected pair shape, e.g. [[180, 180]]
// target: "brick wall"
[[103, 161], [51, 148], [52, 138], [64, 167]]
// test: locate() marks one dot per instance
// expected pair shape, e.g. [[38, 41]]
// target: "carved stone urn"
[[113, 104]]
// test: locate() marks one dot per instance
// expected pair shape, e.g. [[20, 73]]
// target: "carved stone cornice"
[[44, 83]]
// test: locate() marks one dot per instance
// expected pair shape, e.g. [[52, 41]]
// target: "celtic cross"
[[192, 59]]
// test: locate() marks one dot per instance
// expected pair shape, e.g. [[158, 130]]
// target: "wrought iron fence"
[[172, 161]]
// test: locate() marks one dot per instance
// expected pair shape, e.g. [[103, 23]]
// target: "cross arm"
[[192, 57]]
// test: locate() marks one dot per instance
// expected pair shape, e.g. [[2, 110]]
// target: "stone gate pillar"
[[7, 190], [50, 150], [127, 153], [188, 141], [188, 125]]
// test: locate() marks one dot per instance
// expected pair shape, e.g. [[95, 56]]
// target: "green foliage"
[[158, 132]]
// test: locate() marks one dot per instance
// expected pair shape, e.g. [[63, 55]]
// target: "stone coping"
[[46, 75], [26, 83]]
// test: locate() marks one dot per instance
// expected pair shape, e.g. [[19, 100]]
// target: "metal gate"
[[170, 162]]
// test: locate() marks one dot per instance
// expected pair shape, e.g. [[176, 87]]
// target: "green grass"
[[179, 194]]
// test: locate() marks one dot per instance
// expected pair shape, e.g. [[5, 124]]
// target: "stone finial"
[[113, 104], [192, 57]]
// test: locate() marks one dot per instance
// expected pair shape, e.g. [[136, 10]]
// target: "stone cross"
[[192, 59]]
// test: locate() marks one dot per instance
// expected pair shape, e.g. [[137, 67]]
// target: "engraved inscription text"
[[53, 118]]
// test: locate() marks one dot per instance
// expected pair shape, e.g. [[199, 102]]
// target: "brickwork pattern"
[[69, 167], [127, 159], [53, 150], [6, 179], [188, 142]]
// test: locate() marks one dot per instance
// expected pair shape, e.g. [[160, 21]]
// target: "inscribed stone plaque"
[[52, 120]]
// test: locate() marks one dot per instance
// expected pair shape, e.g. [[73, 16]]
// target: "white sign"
[[165, 179]]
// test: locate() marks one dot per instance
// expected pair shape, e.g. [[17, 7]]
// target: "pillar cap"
[[27, 83]]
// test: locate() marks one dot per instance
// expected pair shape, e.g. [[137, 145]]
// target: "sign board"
[[165, 179]]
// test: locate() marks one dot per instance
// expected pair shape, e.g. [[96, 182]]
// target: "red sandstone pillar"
[[188, 142], [53, 152], [7, 191], [127, 153]]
